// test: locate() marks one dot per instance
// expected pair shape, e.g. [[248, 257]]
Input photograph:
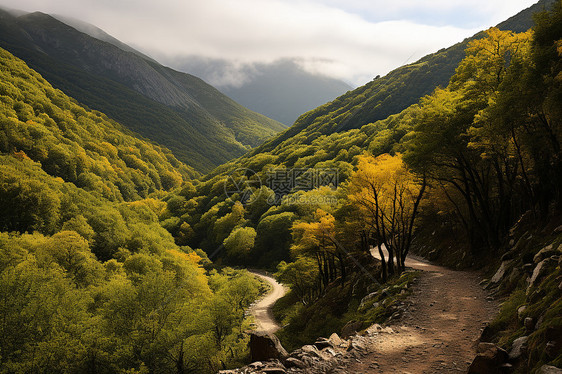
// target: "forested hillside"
[[114, 259], [452, 173], [89, 280], [203, 127], [390, 94]]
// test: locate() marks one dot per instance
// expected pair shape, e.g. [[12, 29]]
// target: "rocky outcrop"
[[265, 346], [325, 355]]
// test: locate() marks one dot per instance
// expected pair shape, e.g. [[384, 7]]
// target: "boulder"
[[500, 273], [518, 348], [544, 253], [540, 271], [489, 359], [520, 312], [264, 346], [293, 362], [336, 340], [547, 369], [310, 351], [486, 334]]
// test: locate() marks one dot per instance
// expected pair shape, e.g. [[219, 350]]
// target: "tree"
[[388, 195], [317, 240], [456, 144], [239, 243], [301, 275]]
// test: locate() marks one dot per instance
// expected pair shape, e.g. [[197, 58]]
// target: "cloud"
[[353, 40]]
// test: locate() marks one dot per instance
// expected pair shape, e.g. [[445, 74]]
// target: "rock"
[[264, 346], [500, 273], [274, 370], [488, 360], [486, 334], [351, 328], [309, 349], [355, 345], [322, 343], [374, 329], [529, 324], [540, 271], [545, 253], [258, 365], [521, 311], [336, 340], [518, 348], [558, 229], [331, 352], [367, 299], [547, 369], [292, 362]]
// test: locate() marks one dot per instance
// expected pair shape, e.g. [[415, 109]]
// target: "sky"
[[352, 40]]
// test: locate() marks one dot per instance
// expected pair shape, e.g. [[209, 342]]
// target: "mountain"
[[84, 259], [75, 145], [296, 90], [202, 126], [388, 95]]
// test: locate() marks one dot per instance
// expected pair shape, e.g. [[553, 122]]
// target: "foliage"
[[203, 127], [388, 197], [90, 282], [86, 148]]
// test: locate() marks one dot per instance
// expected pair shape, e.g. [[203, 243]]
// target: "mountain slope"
[[78, 146], [201, 125], [392, 93], [281, 90]]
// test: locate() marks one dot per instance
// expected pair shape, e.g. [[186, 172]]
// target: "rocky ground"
[[437, 332]]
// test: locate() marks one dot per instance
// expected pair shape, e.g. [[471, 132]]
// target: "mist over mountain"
[[282, 90], [203, 127]]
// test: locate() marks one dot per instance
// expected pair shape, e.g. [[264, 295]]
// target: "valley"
[[151, 224]]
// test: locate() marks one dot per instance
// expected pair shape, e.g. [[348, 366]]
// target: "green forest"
[[116, 257], [90, 281]]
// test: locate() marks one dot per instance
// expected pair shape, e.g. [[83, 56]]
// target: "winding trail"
[[261, 310], [438, 330]]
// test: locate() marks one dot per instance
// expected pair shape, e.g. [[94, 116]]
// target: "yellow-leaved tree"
[[387, 196]]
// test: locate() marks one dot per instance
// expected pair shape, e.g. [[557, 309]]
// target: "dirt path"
[[439, 329], [261, 310]]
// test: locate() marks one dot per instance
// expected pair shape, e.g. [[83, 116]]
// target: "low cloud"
[[354, 41]]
